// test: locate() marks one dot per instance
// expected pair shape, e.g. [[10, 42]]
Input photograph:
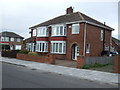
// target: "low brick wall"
[[117, 64], [42, 59], [80, 62]]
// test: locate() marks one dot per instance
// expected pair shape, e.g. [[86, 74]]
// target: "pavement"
[[104, 77]]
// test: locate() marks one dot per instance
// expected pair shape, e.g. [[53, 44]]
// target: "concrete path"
[[92, 75]]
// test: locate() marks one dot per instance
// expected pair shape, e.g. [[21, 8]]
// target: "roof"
[[117, 41], [72, 17], [10, 34], [30, 39]]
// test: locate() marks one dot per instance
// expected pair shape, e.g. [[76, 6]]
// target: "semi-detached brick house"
[[70, 35], [13, 40]]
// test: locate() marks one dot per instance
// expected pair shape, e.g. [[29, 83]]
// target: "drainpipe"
[[84, 39], [104, 38]]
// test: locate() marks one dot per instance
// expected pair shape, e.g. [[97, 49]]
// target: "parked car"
[[108, 53]]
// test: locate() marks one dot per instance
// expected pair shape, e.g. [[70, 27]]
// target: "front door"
[[75, 52]]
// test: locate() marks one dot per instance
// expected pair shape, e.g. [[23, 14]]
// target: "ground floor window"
[[41, 46], [87, 48], [58, 47], [18, 47], [30, 47]]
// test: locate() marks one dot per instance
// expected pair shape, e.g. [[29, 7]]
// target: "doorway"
[[75, 51]]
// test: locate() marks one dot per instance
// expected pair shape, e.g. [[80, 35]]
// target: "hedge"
[[10, 53]]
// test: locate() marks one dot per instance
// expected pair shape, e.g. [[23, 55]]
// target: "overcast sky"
[[19, 15]]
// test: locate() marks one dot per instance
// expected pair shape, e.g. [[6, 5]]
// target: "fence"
[[100, 60]]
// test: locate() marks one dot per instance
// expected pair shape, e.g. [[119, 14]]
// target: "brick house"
[[115, 45], [70, 35], [13, 40]]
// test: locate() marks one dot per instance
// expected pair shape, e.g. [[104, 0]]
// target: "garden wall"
[[42, 59]]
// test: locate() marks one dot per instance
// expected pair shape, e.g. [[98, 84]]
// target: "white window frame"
[[12, 39], [42, 31], [102, 35], [87, 48], [39, 46], [5, 39], [56, 31], [18, 39], [18, 47], [73, 28], [55, 47]]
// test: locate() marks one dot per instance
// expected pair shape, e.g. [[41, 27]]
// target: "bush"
[[85, 66], [24, 51], [5, 47], [32, 53]]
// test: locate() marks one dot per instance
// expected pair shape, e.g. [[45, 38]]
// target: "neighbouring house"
[[12, 40], [115, 45], [70, 35]]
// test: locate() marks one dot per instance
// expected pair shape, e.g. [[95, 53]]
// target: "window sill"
[[57, 53], [58, 36]]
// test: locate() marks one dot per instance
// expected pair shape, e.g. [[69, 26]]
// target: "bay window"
[[41, 46], [58, 47], [58, 30], [42, 32]]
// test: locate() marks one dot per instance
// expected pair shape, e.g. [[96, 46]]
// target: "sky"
[[18, 15]]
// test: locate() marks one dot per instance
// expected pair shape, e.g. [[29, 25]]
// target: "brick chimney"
[[69, 10]]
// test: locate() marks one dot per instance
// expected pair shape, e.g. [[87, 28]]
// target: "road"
[[15, 76]]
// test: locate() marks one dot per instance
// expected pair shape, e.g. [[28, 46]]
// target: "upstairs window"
[[18, 39], [11, 39], [102, 35], [4, 38], [75, 28], [58, 30], [42, 32]]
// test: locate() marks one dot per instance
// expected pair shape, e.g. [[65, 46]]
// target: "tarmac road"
[[15, 76]]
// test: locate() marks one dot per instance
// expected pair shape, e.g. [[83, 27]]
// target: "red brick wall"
[[117, 64], [74, 39], [42, 59], [117, 47], [93, 38]]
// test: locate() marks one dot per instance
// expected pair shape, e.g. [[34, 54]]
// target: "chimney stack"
[[69, 10]]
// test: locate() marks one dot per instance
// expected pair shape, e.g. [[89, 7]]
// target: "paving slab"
[[104, 77]]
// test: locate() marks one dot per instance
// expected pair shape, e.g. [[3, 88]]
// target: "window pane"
[[64, 30], [60, 47], [53, 47], [64, 48], [40, 47], [61, 30], [43, 45], [46, 49], [57, 30], [56, 47]]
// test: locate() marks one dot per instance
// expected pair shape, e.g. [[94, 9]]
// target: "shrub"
[[85, 66], [24, 51], [9, 53], [32, 53]]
